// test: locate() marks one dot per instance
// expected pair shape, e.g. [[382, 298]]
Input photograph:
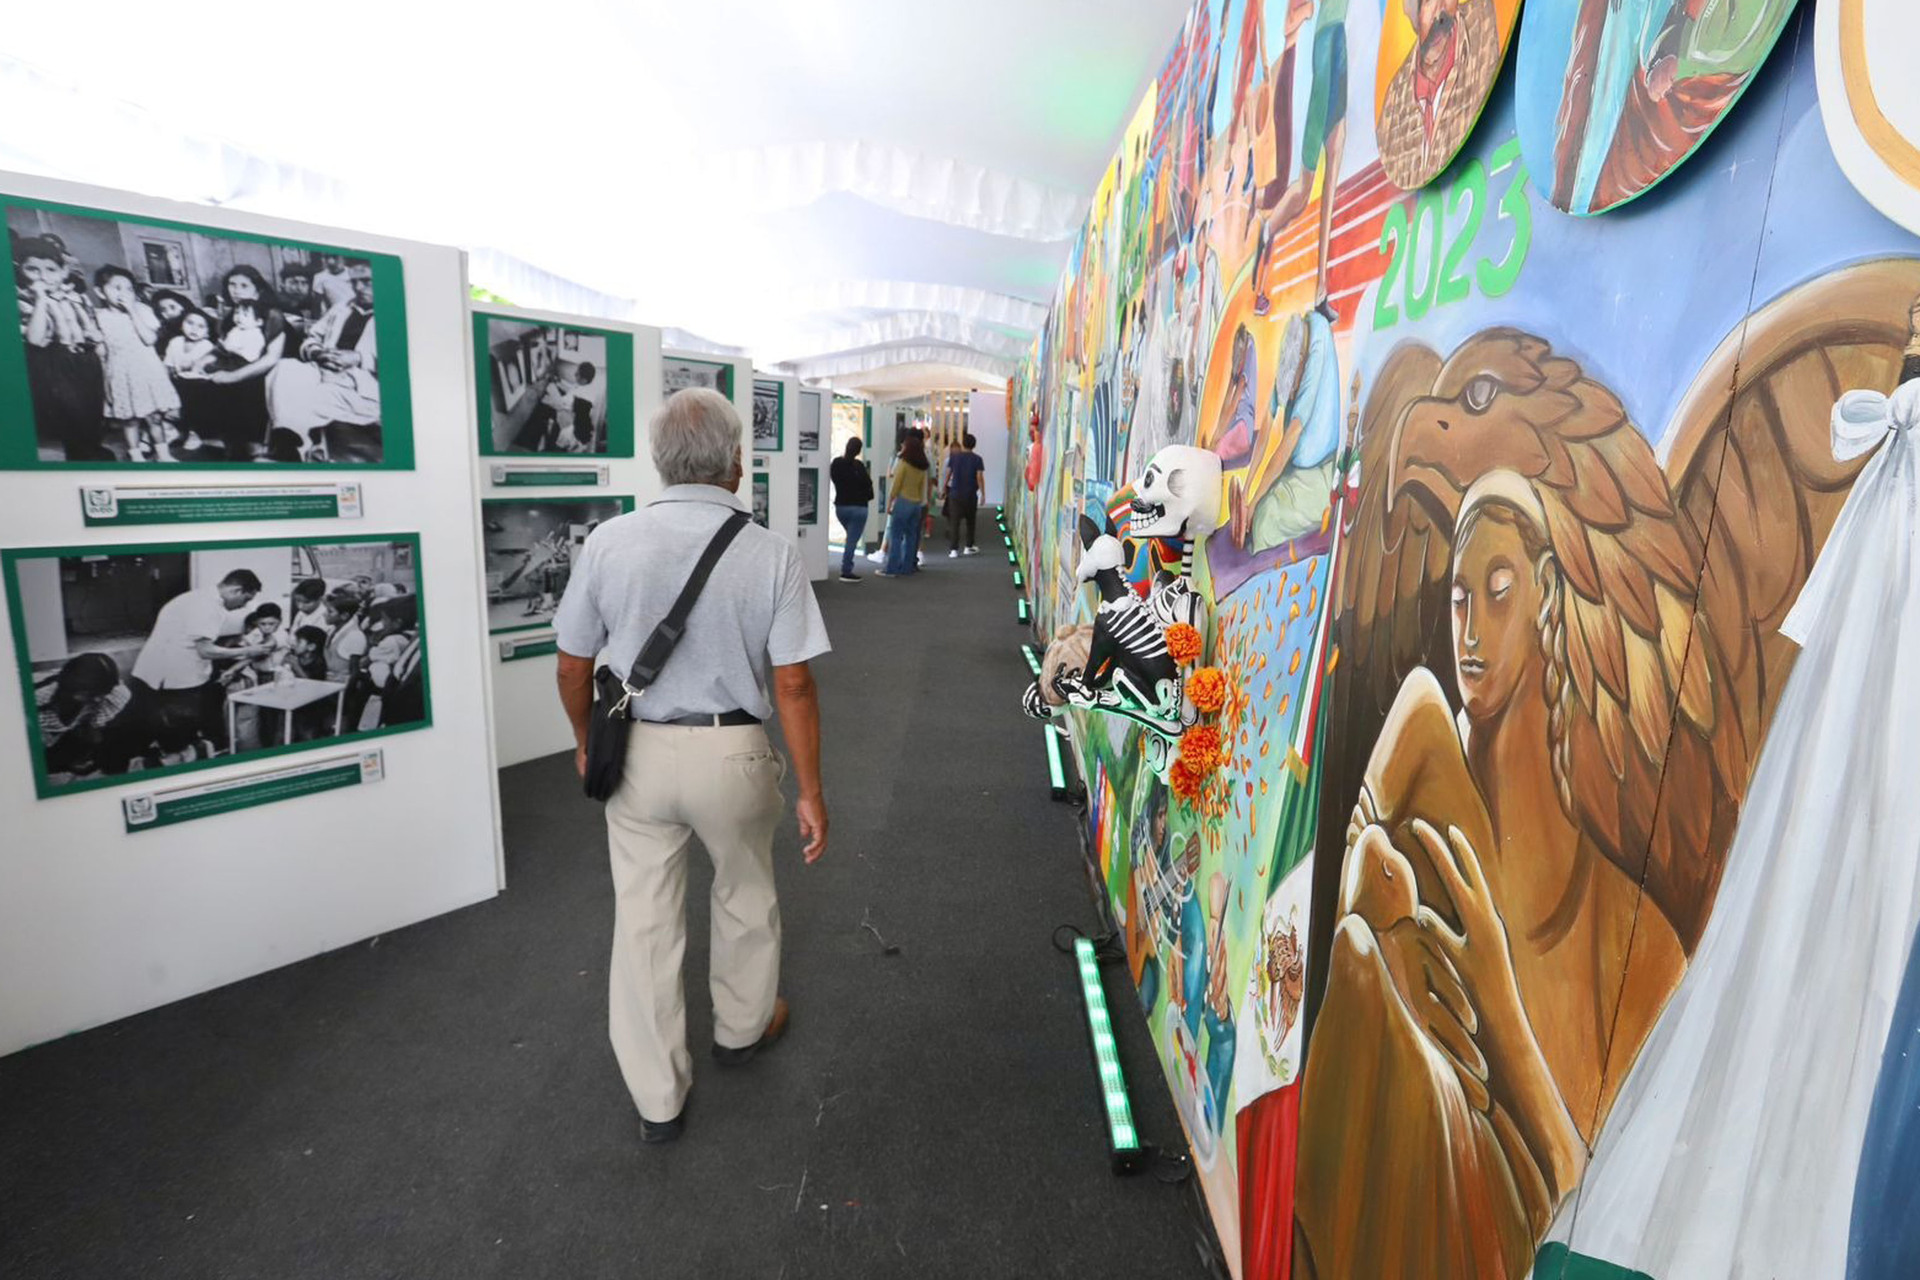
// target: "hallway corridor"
[[442, 1101]]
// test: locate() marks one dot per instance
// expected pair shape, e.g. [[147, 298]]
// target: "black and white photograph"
[[548, 389], [809, 495], [149, 660], [769, 416], [148, 344], [762, 500], [811, 411], [530, 546], [678, 373]]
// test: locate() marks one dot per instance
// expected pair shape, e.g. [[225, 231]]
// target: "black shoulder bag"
[[611, 723]]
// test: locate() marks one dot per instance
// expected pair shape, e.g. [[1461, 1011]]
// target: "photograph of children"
[[156, 659], [809, 495], [677, 374], [548, 389], [530, 546], [151, 344], [812, 409], [769, 416], [762, 500]]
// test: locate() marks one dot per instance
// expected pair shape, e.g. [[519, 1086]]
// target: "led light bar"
[[1122, 1137], [1019, 583], [1033, 659], [1026, 614], [1056, 764], [1011, 558]]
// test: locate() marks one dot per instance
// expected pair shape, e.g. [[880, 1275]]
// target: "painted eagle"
[[1667, 660]]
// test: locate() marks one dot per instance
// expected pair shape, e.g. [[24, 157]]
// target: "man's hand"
[[798, 703], [812, 813], [574, 676]]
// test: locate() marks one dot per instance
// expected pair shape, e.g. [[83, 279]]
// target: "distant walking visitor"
[[852, 493], [699, 761], [966, 490], [907, 492]]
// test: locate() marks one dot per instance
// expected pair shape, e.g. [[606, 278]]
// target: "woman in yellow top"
[[906, 507]]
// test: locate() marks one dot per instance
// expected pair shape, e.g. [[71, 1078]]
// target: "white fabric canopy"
[[870, 194]]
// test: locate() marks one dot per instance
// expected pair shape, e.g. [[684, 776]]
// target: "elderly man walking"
[[699, 762]]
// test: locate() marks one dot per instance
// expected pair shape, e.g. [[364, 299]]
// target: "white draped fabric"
[[1732, 1151]]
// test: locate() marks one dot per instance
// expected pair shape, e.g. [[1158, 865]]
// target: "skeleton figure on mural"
[[1178, 497]]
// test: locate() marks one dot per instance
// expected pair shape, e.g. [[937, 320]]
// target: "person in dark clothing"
[[91, 720], [966, 488], [852, 493]]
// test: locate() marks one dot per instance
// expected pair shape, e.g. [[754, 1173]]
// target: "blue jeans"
[[903, 537], [854, 521]]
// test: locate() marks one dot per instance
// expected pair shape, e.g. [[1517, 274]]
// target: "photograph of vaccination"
[[677, 374], [530, 550], [157, 659], [546, 389], [158, 344]]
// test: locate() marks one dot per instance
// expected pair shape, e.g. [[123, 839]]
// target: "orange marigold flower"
[[1184, 780], [1202, 750], [1207, 686], [1183, 643]]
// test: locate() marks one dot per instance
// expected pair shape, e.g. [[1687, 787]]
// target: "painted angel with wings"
[[1559, 657]]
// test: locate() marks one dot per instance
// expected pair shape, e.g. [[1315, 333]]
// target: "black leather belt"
[[718, 720]]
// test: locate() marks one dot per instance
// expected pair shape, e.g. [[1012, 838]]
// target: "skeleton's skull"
[[1178, 495]]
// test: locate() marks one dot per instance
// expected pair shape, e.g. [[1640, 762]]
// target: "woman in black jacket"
[[852, 492]]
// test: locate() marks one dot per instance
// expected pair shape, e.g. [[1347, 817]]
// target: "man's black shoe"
[[742, 1056], [663, 1130]]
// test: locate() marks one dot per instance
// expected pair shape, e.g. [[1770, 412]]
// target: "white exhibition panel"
[[987, 420], [97, 924], [782, 466], [527, 720], [815, 407]]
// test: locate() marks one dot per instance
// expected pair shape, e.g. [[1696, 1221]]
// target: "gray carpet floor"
[[442, 1102]]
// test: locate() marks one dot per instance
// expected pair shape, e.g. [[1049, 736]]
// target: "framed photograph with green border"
[[530, 547], [148, 344], [551, 389], [161, 658], [809, 495], [677, 373], [762, 499], [769, 415]]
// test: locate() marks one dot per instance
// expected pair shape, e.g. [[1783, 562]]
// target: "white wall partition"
[[813, 445], [987, 420], [98, 922], [530, 529], [528, 722], [779, 461]]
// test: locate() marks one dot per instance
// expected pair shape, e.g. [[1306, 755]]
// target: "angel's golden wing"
[[1390, 615], [1750, 462], [1389, 597]]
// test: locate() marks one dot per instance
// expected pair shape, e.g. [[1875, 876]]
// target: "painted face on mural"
[[1496, 611]]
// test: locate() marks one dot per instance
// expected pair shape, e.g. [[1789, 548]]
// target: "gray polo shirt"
[[757, 611]]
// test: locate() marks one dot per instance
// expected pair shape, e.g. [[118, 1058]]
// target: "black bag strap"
[[660, 645]]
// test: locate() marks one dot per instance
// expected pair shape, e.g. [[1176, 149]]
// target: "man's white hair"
[[696, 438]]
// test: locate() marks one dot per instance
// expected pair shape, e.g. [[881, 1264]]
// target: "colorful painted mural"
[[1615, 94], [1550, 911]]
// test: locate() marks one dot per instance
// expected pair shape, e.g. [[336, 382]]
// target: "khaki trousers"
[[723, 785]]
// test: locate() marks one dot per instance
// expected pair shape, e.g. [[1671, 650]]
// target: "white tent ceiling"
[[876, 193]]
